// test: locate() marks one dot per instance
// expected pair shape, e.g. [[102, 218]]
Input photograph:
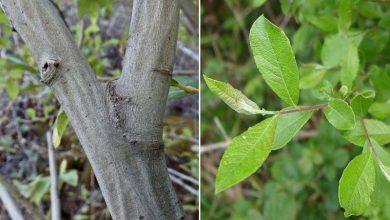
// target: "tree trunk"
[[119, 123]]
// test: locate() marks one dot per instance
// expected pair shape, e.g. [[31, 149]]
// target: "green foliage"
[[340, 47], [357, 184], [275, 59], [376, 130], [362, 102], [288, 126], [59, 128], [232, 97], [280, 201], [246, 154], [340, 115]]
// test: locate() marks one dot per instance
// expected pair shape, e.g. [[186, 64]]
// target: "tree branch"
[[118, 124], [148, 65]]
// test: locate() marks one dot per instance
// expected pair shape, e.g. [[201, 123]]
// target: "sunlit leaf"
[[245, 154], [357, 184], [275, 59], [340, 115]]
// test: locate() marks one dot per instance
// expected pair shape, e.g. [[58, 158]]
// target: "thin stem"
[[305, 108], [55, 201], [369, 139]]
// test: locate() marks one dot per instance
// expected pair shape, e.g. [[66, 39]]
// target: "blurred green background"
[[28, 110], [299, 181]]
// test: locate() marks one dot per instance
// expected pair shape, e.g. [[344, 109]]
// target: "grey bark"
[[119, 124]]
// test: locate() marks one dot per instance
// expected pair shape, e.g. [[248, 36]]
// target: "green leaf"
[[334, 49], [340, 115], [303, 35], [380, 78], [369, 9], [362, 102], [59, 128], [288, 126], [350, 66], [374, 42], [376, 130], [233, 97], [345, 14], [275, 59], [39, 188], [12, 89], [357, 184], [256, 3], [383, 158], [70, 177], [246, 154], [380, 110], [280, 206], [311, 75], [326, 22]]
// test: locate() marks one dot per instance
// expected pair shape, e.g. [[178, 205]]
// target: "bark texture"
[[119, 124]]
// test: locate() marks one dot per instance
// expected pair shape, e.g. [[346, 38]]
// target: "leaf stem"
[[369, 139], [305, 108]]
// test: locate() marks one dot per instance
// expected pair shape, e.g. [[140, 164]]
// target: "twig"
[[27, 205], [369, 139], [55, 202], [305, 108], [285, 21], [183, 176], [221, 128], [9, 203], [215, 146], [81, 36], [185, 186]]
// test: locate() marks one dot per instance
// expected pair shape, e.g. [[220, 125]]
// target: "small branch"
[[306, 108], [55, 201], [369, 139], [215, 146], [183, 176], [221, 129], [285, 21], [185, 186], [9, 204], [188, 89]]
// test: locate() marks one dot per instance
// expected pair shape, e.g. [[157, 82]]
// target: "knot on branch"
[[49, 70], [165, 72]]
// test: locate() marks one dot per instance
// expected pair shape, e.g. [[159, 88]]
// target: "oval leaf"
[[275, 59], [340, 115], [377, 130], [246, 154], [357, 184], [288, 126], [232, 97], [350, 65], [280, 206], [362, 102]]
